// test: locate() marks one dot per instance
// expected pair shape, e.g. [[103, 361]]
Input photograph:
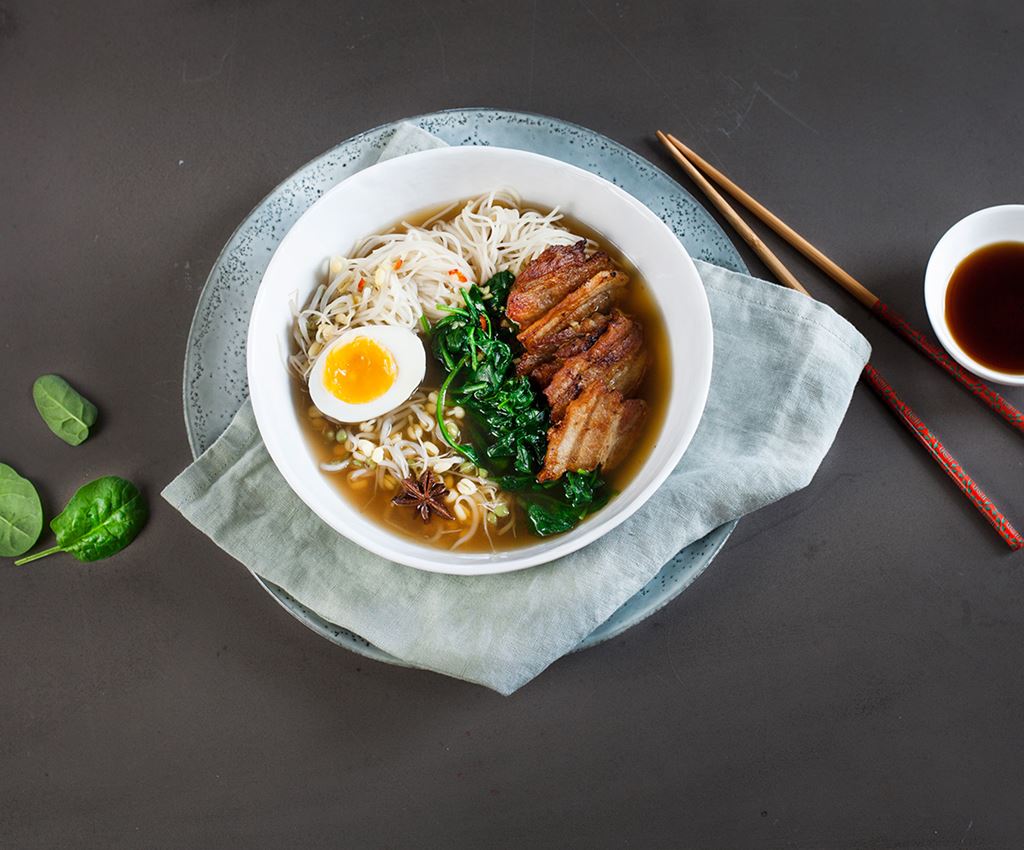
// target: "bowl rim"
[[561, 547], [938, 274]]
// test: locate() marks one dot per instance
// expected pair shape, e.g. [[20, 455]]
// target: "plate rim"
[[357, 643]]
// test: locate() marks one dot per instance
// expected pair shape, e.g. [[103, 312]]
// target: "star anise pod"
[[425, 495]]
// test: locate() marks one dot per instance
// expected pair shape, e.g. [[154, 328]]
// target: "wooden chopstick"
[[776, 265], [845, 280], [936, 451], [879, 309]]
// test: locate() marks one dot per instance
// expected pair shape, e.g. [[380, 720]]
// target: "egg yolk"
[[359, 371]]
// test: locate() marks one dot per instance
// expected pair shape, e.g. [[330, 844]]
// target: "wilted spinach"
[[101, 519], [498, 288], [477, 353], [66, 411], [21, 513], [557, 506], [509, 420]]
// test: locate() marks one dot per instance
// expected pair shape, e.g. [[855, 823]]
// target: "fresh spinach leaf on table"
[[101, 519], [66, 411], [21, 513]]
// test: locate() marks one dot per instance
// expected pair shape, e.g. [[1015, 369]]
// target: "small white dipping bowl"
[[372, 201], [994, 224]]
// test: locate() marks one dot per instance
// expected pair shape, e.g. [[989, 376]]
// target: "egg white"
[[406, 349]]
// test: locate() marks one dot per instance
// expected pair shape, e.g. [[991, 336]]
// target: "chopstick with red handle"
[[982, 391], [879, 309], [943, 458], [936, 451]]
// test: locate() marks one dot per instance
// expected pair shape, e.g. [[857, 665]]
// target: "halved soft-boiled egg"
[[366, 372]]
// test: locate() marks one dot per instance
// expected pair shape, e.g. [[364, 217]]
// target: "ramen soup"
[[481, 376]]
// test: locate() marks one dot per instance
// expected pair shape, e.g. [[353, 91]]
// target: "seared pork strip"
[[568, 342], [550, 331], [616, 361], [598, 430], [543, 373], [545, 281]]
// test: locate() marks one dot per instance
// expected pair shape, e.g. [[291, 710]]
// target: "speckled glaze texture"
[[214, 380]]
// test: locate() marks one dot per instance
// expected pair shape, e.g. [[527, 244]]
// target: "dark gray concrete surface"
[[850, 672]]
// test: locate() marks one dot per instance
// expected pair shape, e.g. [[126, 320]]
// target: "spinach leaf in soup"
[[101, 519], [66, 411], [557, 506], [21, 513], [498, 288]]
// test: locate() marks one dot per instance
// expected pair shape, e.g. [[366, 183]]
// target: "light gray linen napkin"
[[784, 370]]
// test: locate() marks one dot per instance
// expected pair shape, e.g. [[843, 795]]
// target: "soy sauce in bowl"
[[985, 306]]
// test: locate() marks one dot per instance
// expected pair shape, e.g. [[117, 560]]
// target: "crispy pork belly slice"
[[545, 372], [545, 281], [598, 430], [570, 341], [597, 295], [616, 361]]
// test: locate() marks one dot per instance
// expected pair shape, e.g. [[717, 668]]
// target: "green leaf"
[[67, 413], [553, 518], [585, 489], [557, 506], [101, 519], [21, 513], [499, 286]]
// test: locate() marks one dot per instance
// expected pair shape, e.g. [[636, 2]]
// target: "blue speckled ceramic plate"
[[215, 384]]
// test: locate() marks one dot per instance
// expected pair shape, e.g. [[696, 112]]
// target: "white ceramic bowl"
[[995, 224], [376, 198]]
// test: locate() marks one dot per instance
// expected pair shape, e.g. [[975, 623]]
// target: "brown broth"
[[637, 301], [985, 306]]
